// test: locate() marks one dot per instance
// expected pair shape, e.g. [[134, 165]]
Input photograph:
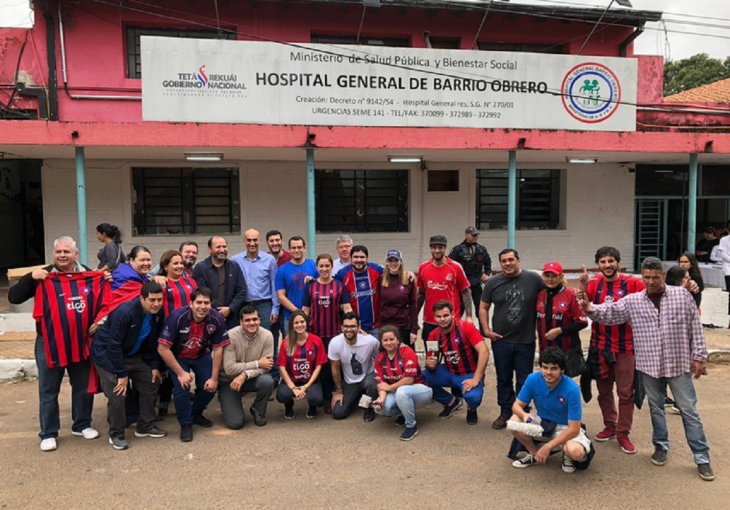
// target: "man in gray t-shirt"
[[514, 295], [352, 357]]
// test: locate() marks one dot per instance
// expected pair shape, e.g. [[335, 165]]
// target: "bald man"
[[259, 270]]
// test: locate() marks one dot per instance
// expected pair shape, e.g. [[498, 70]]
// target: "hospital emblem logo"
[[591, 92]]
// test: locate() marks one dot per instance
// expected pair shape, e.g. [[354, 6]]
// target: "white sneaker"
[[48, 444], [568, 464], [87, 433]]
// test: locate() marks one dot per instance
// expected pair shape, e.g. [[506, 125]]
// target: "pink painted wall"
[[96, 54]]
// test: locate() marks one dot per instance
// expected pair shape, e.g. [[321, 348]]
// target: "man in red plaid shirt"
[[670, 348]]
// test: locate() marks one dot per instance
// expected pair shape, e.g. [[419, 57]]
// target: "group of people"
[[348, 331]]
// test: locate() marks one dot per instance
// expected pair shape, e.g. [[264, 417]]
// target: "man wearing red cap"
[[559, 317]]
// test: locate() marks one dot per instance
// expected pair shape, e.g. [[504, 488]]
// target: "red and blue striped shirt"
[[458, 347], [177, 294], [65, 306], [325, 301], [617, 338], [403, 364]]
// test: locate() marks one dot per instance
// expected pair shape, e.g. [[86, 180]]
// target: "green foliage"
[[694, 71]]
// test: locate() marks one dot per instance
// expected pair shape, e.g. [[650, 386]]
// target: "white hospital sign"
[[198, 80]]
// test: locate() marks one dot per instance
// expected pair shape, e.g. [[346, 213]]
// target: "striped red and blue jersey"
[[325, 301], [304, 359], [557, 311], [364, 290], [618, 338], [65, 306], [457, 347], [403, 364], [177, 294]]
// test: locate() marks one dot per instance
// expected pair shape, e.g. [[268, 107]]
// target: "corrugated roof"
[[715, 92]]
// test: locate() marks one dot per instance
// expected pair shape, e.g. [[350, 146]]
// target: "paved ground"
[[325, 464]]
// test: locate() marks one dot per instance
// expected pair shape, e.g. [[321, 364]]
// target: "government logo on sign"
[[591, 92]]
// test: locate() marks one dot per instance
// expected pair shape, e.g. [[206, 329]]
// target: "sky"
[[703, 18], [680, 16]]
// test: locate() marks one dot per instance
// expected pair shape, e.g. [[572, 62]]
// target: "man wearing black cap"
[[441, 278], [475, 260]]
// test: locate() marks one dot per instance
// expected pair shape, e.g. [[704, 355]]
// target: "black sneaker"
[[186, 433], [400, 421], [451, 408], [705, 472], [409, 433], [659, 457], [202, 421], [119, 443], [150, 432], [525, 462], [259, 420], [368, 415], [471, 416], [311, 412], [289, 412], [162, 410]]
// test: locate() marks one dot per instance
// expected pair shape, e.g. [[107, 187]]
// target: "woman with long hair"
[[400, 388], [688, 262], [111, 254], [301, 360], [399, 298], [325, 299]]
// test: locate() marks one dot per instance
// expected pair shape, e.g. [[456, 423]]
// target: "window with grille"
[[186, 201], [538, 199], [361, 200], [134, 46]]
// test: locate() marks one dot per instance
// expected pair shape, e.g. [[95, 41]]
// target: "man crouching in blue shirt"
[[558, 402]]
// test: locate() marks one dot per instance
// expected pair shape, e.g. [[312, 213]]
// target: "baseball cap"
[[438, 239], [471, 231], [394, 254], [553, 267]]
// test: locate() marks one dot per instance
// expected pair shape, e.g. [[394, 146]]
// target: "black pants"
[[351, 394], [141, 374], [314, 395]]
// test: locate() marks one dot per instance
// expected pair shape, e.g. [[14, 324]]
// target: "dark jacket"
[[206, 275], [118, 336], [475, 260]]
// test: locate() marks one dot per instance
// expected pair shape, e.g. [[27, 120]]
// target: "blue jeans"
[[511, 358], [264, 309], [202, 367], [49, 385], [685, 399], [441, 377], [405, 400]]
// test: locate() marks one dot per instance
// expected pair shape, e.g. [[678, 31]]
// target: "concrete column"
[[81, 205], [692, 204], [512, 200], [311, 214]]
